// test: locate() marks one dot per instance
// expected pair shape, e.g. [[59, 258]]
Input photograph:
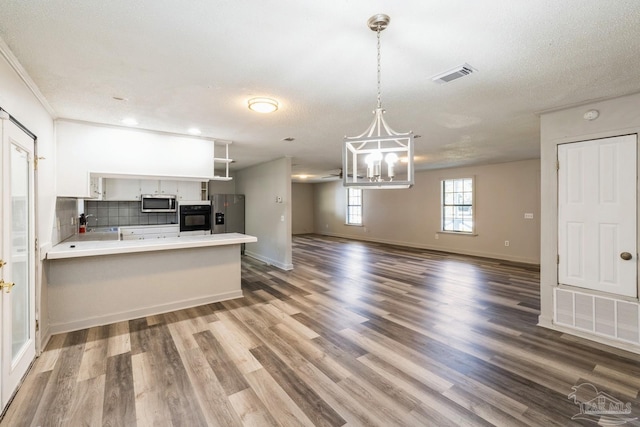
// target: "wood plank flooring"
[[357, 334]]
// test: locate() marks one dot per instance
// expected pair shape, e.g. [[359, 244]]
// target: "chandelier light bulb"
[[391, 158], [373, 162]]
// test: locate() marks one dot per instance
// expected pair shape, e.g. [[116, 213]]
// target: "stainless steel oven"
[[195, 216]]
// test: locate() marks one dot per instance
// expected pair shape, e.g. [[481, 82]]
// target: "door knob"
[[626, 256], [6, 285], [2, 263]]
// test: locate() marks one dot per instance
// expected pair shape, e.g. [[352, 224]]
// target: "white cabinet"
[[122, 189], [149, 186], [183, 190], [168, 187], [148, 232], [189, 190], [155, 186], [131, 189], [95, 187]]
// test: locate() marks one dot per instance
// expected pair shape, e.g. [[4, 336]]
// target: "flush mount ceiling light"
[[364, 154], [263, 105]]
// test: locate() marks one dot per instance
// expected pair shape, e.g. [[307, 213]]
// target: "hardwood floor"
[[356, 334]]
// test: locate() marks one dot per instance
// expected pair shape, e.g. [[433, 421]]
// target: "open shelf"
[[224, 160]]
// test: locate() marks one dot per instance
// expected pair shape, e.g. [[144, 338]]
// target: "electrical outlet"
[[437, 236], [506, 243], [281, 218]]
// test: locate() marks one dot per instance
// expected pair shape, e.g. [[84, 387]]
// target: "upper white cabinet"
[[168, 187], [159, 186], [96, 187], [190, 190], [150, 186], [131, 189], [122, 189]]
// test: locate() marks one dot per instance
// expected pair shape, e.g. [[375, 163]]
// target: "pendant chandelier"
[[366, 155]]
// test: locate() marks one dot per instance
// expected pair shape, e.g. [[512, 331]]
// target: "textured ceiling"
[[182, 64]]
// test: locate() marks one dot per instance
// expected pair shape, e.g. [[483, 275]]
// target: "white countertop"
[[110, 247]]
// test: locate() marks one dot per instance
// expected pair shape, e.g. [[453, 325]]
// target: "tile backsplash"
[[113, 214], [66, 223], [102, 214]]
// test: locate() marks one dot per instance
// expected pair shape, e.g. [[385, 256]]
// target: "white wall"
[[105, 150], [19, 101], [267, 219], [504, 193], [620, 116], [302, 203]]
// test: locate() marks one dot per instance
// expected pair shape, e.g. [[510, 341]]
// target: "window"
[[354, 206], [457, 205]]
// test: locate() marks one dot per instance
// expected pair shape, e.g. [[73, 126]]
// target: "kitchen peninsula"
[[93, 283]]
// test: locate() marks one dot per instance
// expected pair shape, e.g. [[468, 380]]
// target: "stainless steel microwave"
[[158, 203]]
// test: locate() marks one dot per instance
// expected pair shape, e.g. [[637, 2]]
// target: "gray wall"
[[302, 208], [265, 218], [223, 187], [504, 193], [618, 116]]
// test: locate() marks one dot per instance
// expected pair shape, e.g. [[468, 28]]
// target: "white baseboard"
[[572, 332], [267, 260], [434, 248], [142, 312], [45, 336]]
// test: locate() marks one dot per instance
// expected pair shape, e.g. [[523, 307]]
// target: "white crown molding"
[[6, 52]]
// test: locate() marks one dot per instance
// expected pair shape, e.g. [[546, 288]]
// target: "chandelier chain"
[[379, 91]]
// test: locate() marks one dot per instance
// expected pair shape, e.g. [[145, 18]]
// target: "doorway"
[[17, 255]]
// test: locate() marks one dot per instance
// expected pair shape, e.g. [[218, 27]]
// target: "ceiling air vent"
[[453, 74]]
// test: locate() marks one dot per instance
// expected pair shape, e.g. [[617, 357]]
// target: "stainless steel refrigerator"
[[227, 212]]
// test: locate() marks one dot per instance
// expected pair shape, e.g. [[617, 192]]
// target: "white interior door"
[[597, 215], [17, 275]]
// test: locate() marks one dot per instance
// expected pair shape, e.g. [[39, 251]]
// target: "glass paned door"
[[17, 252], [20, 255]]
